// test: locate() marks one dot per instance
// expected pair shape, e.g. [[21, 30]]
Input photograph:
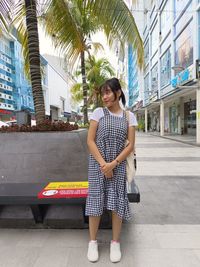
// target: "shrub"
[[141, 125], [45, 126]]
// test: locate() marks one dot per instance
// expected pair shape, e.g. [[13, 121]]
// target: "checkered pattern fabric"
[[106, 193]]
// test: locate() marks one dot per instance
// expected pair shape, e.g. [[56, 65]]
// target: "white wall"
[[58, 89]]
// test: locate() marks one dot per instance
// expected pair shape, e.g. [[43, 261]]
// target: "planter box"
[[43, 156]]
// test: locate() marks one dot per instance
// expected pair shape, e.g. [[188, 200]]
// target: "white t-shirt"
[[98, 113]]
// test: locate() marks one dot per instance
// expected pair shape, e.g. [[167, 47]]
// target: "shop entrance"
[[190, 117]]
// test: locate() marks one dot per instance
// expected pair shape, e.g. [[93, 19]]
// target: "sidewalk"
[[165, 229], [187, 139]]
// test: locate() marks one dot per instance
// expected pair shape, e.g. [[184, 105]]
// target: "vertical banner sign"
[[65, 190]]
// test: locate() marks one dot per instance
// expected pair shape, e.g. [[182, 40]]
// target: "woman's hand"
[[109, 174], [108, 167]]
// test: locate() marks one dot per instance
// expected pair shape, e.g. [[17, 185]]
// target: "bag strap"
[[127, 116]]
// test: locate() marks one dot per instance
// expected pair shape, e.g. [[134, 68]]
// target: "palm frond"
[[77, 93], [117, 21], [62, 28]]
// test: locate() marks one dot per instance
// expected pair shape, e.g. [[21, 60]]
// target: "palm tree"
[[98, 71], [72, 22], [34, 59], [30, 40]]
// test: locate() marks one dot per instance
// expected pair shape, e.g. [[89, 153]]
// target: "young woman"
[[109, 129]]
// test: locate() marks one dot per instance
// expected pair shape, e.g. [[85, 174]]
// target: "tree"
[[30, 41], [34, 59], [72, 22], [98, 71]]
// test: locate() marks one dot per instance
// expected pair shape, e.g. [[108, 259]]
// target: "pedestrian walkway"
[[165, 229], [187, 139]]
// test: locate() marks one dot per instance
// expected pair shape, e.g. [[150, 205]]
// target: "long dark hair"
[[114, 85]]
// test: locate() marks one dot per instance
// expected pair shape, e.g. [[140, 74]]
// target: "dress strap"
[[125, 114], [106, 112]]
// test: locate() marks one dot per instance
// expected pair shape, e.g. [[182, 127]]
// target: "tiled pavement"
[[165, 229]]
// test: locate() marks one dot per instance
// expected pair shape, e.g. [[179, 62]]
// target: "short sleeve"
[[96, 114], [132, 119]]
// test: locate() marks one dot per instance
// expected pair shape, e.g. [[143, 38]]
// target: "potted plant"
[[141, 125]]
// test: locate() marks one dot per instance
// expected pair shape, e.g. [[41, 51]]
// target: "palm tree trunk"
[[34, 59], [85, 87]]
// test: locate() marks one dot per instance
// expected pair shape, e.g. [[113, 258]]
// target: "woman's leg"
[[93, 226], [116, 226]]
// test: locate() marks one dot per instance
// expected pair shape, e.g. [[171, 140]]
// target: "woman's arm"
[[91, 142], [130, 147], [124, 154]]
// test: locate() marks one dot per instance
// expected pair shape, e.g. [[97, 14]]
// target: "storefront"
[[154, 120], [190, 117], [173, 119], [6, 115]]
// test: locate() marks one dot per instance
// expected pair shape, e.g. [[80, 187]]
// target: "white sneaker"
[[93, 254], [115, 252]]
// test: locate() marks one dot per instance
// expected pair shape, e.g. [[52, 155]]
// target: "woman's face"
[[108, 97]]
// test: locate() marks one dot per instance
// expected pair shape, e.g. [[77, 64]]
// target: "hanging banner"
[[65, 190]]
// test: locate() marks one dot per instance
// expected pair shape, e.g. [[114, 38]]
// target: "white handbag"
[[130, 162]]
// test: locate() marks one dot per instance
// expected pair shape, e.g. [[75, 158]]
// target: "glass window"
[[154, 39], [165, 19], [146, 88], [183, 19], [184, 48], [165, 65], [154, 59], [179, 6], [146, 52], [154, 78], [165, 44]]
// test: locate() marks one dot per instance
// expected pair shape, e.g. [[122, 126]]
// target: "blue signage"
[[181, 77]]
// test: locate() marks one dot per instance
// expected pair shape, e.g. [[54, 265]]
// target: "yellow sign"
[[66, 185], [198, 115]]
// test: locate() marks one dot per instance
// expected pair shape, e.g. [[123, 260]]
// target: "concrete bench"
[[26, 194], [30, 161]]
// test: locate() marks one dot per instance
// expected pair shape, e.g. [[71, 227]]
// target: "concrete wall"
[[43, 157]]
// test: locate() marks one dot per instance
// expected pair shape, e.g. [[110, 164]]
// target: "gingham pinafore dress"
[[108, 193]]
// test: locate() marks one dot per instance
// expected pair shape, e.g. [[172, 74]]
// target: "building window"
[[154, 78], [154, 39], [183, 19], [146, 52], [184, 47], [165, 19], [146, 88], [179, 5], [165, 70]]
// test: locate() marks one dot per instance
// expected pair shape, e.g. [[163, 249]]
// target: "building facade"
[[171, 101], [58, 88], [7, 68], [135, 76], [16, 91]]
